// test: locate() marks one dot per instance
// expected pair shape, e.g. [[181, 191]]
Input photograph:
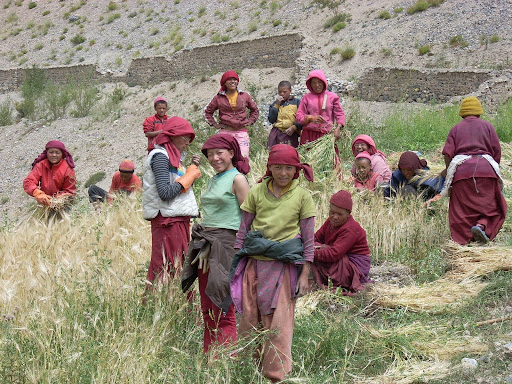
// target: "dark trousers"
[[96, 194]]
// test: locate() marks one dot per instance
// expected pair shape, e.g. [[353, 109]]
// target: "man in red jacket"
[[341, 250], [153, 124]]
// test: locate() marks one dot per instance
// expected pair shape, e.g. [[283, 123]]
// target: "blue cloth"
[[427, 187]]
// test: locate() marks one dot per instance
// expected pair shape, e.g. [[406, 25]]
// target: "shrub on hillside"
[[77, 39], [341, 18], [6, 113], [423, 5], [424, 49]]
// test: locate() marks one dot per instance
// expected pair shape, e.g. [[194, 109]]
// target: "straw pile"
[[409, 371]]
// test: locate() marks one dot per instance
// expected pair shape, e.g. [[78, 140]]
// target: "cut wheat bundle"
[[434, 297]]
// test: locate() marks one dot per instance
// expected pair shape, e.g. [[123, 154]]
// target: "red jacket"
[[371, 182], [235, 118], [151, 124], [54, 181], [119, 185]]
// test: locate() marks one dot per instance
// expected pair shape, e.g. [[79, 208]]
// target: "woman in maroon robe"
[[472, 154], [341, 249]]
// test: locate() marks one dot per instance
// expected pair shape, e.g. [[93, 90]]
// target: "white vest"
[[182, 205]]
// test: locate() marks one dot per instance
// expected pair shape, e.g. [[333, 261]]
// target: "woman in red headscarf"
[[412, 178], [265, 285], [52, 175], [211, 250], [168, 200], [232, 105], [364, 143], [341, 250]]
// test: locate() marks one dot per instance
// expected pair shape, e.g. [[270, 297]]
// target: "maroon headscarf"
[[59, 145], [224, 141], [225, 78], [287, 155], [411, 160], [342, 199], [175, 126]]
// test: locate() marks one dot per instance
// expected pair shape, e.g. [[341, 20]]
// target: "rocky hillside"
[[454, 34]]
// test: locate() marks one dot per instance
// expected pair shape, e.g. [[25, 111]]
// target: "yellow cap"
[[470, 106]]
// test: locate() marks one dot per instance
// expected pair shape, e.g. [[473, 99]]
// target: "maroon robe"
[[476, 196], [342, 255]]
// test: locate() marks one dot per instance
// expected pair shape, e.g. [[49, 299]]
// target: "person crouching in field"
[[232, 105], [124, 181], [211, 250], [279, 250], [168, 200], [281, 114], [364, 143], [412, 178], [52, 180], [364, 177], [341, 250], [472, 155]]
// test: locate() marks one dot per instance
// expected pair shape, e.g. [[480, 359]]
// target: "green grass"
[[424, 49], [384, 15], [94, 179], [337, 22], [6, 111], [423, 5]]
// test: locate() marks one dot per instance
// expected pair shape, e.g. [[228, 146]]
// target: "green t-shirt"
[[278, 218]]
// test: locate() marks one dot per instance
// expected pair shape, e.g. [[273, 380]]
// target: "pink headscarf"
[[287, 155], [175, 126], [342, 199], [364, 155], [59, 145], [224, 141], [227, 75], [372, 149]]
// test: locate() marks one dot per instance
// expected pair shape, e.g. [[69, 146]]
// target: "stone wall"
[[407, 85], [276, 51]]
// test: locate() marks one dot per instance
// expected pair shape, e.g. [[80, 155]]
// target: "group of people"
[[255, 248]]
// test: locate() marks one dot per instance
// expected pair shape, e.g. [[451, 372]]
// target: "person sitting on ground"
[[412, 179], [52, 180], [364, 143], [232, 105], [124, 181], [341, 250], [365, 178], [281, 114], [472, 155], [152, 125]]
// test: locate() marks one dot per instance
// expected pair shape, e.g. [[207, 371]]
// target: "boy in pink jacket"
[[320, 110]]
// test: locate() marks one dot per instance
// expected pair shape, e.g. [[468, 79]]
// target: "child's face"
[[284, 92], [220, 159], [408, 173], [231, 84], [160, 109], [125, 176], [363, 168], [54, 155], [338, 216], [282, 174], [317, 85]]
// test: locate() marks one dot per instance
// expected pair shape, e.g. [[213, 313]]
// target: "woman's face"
[[363, 168], [361, 147], [338, 216], [54, 155], [220, 159], [282, 174], [231, 84], [181, 142], [408, 173], [317, 85]]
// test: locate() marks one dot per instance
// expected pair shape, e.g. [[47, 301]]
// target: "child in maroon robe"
[[341, 250]]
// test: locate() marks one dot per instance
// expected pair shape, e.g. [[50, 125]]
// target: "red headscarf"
[[411, 160], [59, 145], [175, 126], [224, 141], [127, 166], [342, 199], [287, 155], [225, 78]]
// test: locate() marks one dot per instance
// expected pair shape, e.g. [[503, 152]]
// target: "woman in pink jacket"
[[364, 143], [320, 110], [232, 105]]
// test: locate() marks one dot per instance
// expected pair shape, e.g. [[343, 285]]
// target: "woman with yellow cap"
[[472, 154]]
